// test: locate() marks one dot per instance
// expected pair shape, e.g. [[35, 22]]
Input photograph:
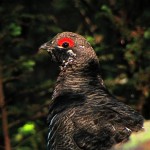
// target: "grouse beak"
[[47, 47], [43, 47]]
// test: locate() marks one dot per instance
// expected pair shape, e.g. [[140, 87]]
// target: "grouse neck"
[[79, 78]]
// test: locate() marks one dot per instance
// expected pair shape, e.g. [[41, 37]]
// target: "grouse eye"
[[65, 44]]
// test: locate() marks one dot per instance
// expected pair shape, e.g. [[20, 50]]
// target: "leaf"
[[106, 9], [15, 29], [28, 128], [147, 34], [28, 65]]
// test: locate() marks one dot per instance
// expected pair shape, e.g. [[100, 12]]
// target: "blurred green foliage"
[[119, 31], [140, 140]]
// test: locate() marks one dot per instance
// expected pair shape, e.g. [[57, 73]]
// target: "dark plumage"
[[83, 115]]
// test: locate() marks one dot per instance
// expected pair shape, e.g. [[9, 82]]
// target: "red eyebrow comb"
[[66, 40]]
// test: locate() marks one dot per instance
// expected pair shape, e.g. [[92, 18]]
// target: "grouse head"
[[68, 48]]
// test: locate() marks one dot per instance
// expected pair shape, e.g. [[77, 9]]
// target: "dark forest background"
[[119, 31]]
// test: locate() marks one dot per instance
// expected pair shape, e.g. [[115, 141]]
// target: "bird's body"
[[83, 115]]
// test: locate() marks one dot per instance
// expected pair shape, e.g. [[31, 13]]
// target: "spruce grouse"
[[83, 115]]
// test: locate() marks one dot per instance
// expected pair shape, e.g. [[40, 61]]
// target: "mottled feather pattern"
[[83, 115]]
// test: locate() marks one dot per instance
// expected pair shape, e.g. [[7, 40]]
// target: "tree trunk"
[[4, 115]]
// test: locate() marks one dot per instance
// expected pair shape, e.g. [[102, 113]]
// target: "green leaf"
[[15, 29], [28, 65], [106, 9], [147, 34], [28, 128], [90, 39]]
